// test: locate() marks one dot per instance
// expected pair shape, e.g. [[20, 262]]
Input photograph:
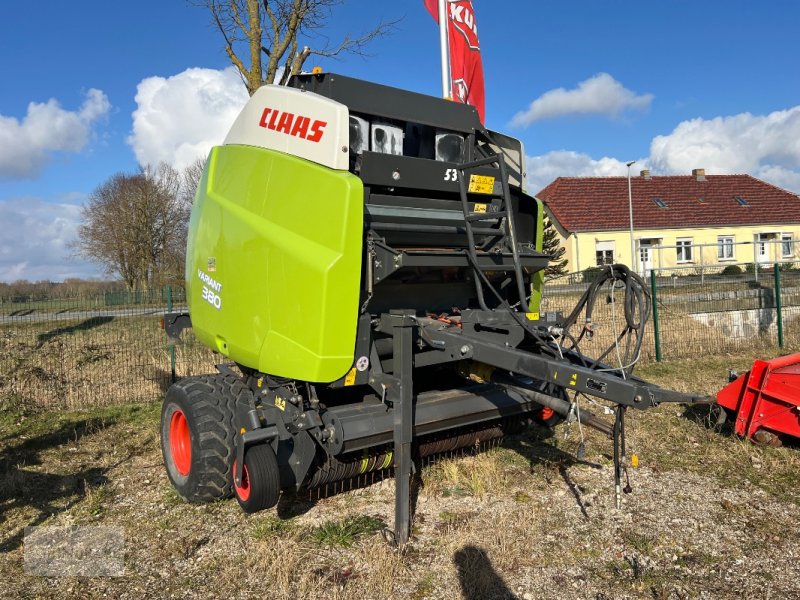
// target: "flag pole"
[[443, 42]]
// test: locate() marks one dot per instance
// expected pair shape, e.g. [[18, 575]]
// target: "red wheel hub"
[[546, 413], [243, 490], [180, 442]]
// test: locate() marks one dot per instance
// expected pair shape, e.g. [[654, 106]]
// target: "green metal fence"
[[693, 315], [73, 353]]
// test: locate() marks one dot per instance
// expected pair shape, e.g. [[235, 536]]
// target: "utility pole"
[[634, 262]]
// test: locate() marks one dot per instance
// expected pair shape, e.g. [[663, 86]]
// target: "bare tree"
[[190, 180], [135, 226], [261, 36]]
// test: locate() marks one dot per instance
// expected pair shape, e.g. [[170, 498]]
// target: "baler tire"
[[261, 484], [197, 435]]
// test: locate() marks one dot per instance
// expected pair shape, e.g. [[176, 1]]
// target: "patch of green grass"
[[454, 520], [510, 458], [171, 496], [456, 491], [641, 542], [523, 498], [696, 559], [19, 426], [448, 517], [425, 587], [95, 501], [266, 528], [618, 567], [344, 532], [705, 374]]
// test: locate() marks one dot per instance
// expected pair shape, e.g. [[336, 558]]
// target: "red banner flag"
[[466, 67], [433, 8]]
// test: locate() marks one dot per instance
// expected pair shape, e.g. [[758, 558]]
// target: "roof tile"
[[601, 203]]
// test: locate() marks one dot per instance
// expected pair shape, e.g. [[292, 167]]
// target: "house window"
[[684, 250], [604, 253], [660, 202], [725, 247], [787, 245]]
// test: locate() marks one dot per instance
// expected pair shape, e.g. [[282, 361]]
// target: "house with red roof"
[[679, 221]]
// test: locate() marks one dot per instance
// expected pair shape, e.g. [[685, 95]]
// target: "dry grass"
[[98, 361], [525, 520]]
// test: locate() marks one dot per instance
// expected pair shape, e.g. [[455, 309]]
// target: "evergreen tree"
[[552, 245]]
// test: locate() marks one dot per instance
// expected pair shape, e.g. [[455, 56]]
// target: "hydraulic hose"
[[636, 309]]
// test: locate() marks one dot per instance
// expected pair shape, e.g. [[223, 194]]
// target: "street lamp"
[[634, 262]]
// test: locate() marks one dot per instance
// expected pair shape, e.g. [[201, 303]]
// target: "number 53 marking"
[[451, 174]]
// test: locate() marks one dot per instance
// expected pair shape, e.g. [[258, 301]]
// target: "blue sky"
[[91, 88]]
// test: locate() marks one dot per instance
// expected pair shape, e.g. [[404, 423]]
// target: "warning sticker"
[[480, 208], [350, 378], [481, 184]]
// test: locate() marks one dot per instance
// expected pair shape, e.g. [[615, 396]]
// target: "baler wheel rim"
[[180, 442], [243, 490], [263, 479], [546, 413]]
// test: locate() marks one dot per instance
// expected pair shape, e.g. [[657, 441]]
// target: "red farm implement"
[[766, 400]]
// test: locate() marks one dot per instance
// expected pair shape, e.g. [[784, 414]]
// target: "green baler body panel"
[[537, 279], [273, 263]]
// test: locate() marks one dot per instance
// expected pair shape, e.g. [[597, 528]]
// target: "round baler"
[[368, 263]]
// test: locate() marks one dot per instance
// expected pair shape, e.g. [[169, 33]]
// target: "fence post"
[[654, 295], [755, 260], [702, 267], [778, 308], [171, 346]]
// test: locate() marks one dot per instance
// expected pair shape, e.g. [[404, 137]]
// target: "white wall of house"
[[679, 248]]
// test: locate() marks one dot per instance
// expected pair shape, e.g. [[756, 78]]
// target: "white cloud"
[[179, 119], [785, 178], [26, 146], [601, 95], [37, 246], [764, 146], [743, 143], [542, 170]]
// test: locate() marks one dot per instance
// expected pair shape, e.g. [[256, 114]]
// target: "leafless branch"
[[274, 30], [135, 225]]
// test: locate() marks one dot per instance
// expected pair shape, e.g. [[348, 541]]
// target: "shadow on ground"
[[478, 579], [163, 378], [710, 416], [530, 444], [91, 323], [21, 485]]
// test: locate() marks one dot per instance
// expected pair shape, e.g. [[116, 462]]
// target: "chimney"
[[645, 174], [699, 174]]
